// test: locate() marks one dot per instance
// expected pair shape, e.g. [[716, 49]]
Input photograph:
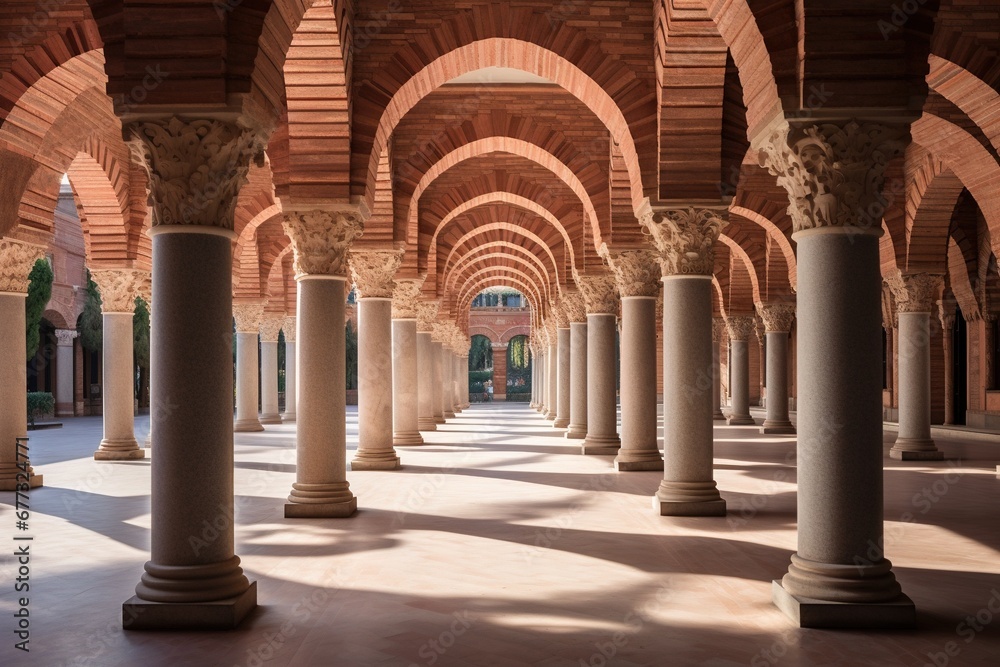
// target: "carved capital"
[[684, 238], [426, 314], [740, 327], [288, 327], [64, 337], [145, 290], [16, 261], [915, 292], [248, 315], [321, 239], [118, 288], [637, 272], [833, 172], [373, 270], [575, 307], [405, 298], [196, 168], [559, 315], [269, 328], [718, 329], [777, 317], [600, 293]]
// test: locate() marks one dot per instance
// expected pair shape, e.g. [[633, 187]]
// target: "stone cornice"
[[777, 317], [16, 261], [248, 316], [119, 288], [684, 238], [373, 271], [321, 239], [915, 292]]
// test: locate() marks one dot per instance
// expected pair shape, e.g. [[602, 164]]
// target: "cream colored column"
[[269, 328], [288, 328], [464, 373], [740, 328], [16, 262], [563, 387], [373, 272], [248, 316], [601, 298], [426, 312], [447, 386], [533, 403], [543, 373], [638, 275], [552, 371], [118, 288], [576, 310], [915, 302], [684, 238], [320, 240], [436, 359], [718, 329], [64, 372], [946, 314], [777, 319], [405, 390]]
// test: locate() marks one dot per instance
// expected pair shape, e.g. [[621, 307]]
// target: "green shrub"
[[39, 292], [479, 376], [40, 404]]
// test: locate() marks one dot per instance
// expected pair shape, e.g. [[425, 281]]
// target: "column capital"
[[406, 298], [248, 316], [684, 237], [574, 306], [145, 289], [637, 272], [740, 327], [64, 337], [118, 288], [426, 312], [915, 292], [718, 328], [600, 293], [559, 314], [288, 326], [16, 260], [373, 270], [946, 313], [833, 172], [195, 167], [321, 239], [777, 317], [270, 325]]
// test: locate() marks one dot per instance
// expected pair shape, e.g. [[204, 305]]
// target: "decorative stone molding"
[[684, 238], [440, 332], [196, 167], [574, 307], [373, 270], [718, 329], [946, 313], [740, 327], [288, 327], [637, 272], [777, 317], [915, 292], [551, 332], [560, 316], [269, 328], [833, 172], [146, 290], [405, 298], [118, 288], [600, 293], [16, 261], [321, 239], [426, 314], [248, 316], [64, 337]]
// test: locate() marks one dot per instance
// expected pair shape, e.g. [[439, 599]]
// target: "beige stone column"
[[64, 372], [915, 296], [426, 312], [601, 298], [718, 330], [563, 365], [638, 275], [834, 173], [118, 288], [447, 385], [16, 262], [777, 319], [946, 313], [405, 400], [193, 579], [534, 373], [740, 328], [373, 272], [576, 311], [248, 316], [684, 238], [437, 363], [320, 241], [552, 370], [270, 325], [288, 328], [464, 374], [543, 372]]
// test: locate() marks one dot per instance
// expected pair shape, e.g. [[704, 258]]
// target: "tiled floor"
[[498, 544]]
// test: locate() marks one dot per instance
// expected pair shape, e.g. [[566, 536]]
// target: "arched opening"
[[518, 370], [480, 368]]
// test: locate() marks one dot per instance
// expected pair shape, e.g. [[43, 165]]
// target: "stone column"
[[16, 262], [447, 387], [463, 366], [777, 319], [405, 399], [543, 373], [915, 301], [288, 328], [718, 329], [64, 372], [119, 288], [638, 276], [426, 312], [834, 174], [946, 313], [740, 327], [320, 241], [248, 316], [552, 370], [563, 395], [437, 360], [499, 371], [601, 298], [684, 238], [193, 580], [576, 311], [373, 272], [269, 328]]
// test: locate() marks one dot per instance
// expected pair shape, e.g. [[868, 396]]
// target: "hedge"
[[40, 404]]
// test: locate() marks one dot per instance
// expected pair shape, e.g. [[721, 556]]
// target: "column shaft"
[[740, 371], [438, 379], [552, 381], [246, 382], [914, 440], [289, 414], [375, 402], [563, 391], [13, 397], [639, 446], [777, 421], [578, 380], [447, 384], [64, 377], [269, 383], [119, 441], [949, 374], [405, 400], [716, 384], [602, 409], [425, 382]]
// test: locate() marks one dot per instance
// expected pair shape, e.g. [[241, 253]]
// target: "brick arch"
[[97, 199], [484, 331], [776, 235], [749, 243], [514, 332], [535, 303], [744, 286], [247, 266], [489, 251], [493, 271], [57, 318], [279, 277], [969, 93], [959, 281], [470, 262], [931, 198]]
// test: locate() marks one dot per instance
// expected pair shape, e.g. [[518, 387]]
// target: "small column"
[[16, 262], [464, 373], [718, 332], [740, 327], [777, 319], [320, 241], [601, 298], [638, 276], [576, 311], [426, 312], [552, 370], [534, 373], [563, 393], [684, 238], [270, 325], [405, 400], [915, 301], [288, 328], [543, 375], [119, 288], [436, 360], [373, 272], [447, 386], [248, 316], [946, 313], [64, 372]]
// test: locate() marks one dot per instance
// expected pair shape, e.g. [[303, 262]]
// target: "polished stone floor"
[[498, 544]]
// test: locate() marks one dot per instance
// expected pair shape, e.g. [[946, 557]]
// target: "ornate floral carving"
[[373, 270], [270, 325], [16, 260], [405, 297], [915, 292], [600, 293], [740, 326], [558, 310], [146, 290], [196, 168], [833, 172], [574, 307], [64, 337], [248, 315], [637, 272], [118, 288], [426, 314], [777, 317], [718, 329], [288, 327], [684, 238], [321, 239]]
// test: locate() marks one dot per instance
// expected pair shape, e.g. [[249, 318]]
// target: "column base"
[[719, 417], [139, 614], [34, 481], [375, 463], [270, 419], [810, 613], [247, 426], [287, 416], [321, 510], [449, 414], [439, 420], [741, 420], [576, 432], [560, 422], [426, 424], [775, 427], [689, 499], [907, 449], [332, 500], [550, 415], [119, 450], [597, 445], [407, 439], [629, 462]]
